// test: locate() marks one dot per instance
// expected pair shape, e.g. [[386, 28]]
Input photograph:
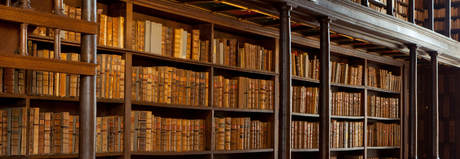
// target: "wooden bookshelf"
[[144, 9]]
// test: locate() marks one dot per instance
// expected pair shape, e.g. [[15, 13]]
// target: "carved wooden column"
[[435, 105], [413, 102], [88, 88], [324, 89], [285, 82], [448, 28]]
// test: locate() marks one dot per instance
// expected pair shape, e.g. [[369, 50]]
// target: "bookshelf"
[[210, 27], [355, 110]]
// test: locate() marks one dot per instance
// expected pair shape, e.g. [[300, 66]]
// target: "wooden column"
[[390, 7], [88, 88], [448, 28], [324, 90], [285, 82], [430, 7], [435, 105], [411, 12], [413, 102], [365, 3]]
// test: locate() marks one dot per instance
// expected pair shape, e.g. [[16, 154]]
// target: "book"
[[346, 104], [382, 78], [231, 52], [242, 133], [170, 85], [305, 99], [110, 28], [347, 134], [383, 134], [153, 133], [243, 93], [304, 135], [386, 107]]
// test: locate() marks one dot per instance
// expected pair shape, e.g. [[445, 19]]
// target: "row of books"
[[70, 11], [54, 83], [170, 85], [52, 133], [12, 81], [346, 104], [159, 39], [386, 107], [153, 133], [305, 99], [455, 24], [421, 15], [109, 134], [242, 133], [383, 134], [243, 92], [456, 36], [304, 135], [110, 29], [304, 65], [440, 13], [347, 134], [439, 26], [231, 52], [382, 78], [346, 74], [347, 156], [110, 76], [382, 157], [13, 131], [401, 9], [378, 8]]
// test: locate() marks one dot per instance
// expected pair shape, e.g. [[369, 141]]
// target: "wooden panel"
[[46, 19], [41, 64]]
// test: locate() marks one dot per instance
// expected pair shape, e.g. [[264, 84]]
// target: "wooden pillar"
[[390, 7], [285, 82], [448, 28], [413, 102], [430, 7], [411, 12], [435, 105], [365, 3], [324, 89], [88, 88]]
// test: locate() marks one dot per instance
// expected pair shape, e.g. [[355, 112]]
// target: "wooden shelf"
[[348, 149], [42, 64], [170, 59], [174, 106], [170, 153], [243, 151], [305, 115], [383, 148], [382, 90], [12, 96], [105, 154], [378, 3], [303, 79], [244, 70], [304, 150], [383, 119], [347, 117], [347, 86], [243, 110], [50, 40], [30, 16]]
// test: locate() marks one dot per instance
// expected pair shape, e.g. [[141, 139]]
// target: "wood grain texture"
[[41, 64]]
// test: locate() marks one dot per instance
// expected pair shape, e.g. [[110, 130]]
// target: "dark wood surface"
[[413, 102], [42, 64], [28, 16], [324, 89]]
